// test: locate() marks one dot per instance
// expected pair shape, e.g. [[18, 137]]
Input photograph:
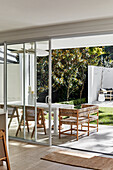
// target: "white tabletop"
[[42, 105]]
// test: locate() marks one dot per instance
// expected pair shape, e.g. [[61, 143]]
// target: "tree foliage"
[[70, 66]]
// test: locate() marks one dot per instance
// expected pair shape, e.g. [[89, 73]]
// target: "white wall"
[[14, 90], [94, 81], [108, 78]]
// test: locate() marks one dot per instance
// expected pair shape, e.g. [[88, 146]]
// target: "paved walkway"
[[104, 104]]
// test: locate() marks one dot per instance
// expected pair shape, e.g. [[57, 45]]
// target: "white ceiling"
[[16, 14]]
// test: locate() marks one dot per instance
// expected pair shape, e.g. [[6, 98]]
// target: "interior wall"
[[98, 77]]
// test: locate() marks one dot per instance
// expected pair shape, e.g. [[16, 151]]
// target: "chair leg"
[[71, 129], [77, 125], [81, 126], [97, 121], [27, 125], [5, 151], [88, 125], [43, 122], [33, 132], [77, 131], [59, 127]]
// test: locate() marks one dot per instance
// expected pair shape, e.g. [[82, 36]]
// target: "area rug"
[[85, 161]]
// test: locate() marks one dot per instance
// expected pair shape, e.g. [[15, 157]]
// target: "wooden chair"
[[77, 117], [30, 116], [6, 157]]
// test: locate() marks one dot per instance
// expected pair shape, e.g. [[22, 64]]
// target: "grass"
[[105, 116]]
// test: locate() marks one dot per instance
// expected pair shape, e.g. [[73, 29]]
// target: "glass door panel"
[[29, 91], [42, 53], [2, 76], [15, 89], [28, 86]]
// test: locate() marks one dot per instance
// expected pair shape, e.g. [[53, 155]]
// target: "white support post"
[[50, 93], [35, 91], [24, 88], [5, 76]]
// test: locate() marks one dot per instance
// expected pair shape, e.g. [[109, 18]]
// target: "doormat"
[[85, 161]]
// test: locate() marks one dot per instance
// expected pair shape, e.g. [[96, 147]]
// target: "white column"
[[50, 93]]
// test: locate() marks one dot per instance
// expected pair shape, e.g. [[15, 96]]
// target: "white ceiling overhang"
[[20, 14], [85, 41], [73, 42]]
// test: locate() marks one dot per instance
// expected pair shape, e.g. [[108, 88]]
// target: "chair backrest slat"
[[84, 111], [68, 112]]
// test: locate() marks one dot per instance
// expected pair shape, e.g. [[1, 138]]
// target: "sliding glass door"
[[29, 91], [43, 104]]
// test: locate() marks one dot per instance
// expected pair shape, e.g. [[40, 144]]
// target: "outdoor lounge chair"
[[77, 118]]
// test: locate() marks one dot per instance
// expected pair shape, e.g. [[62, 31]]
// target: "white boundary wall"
[[95, 80]]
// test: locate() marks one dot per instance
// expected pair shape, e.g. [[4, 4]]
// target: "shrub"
[[79, 101]]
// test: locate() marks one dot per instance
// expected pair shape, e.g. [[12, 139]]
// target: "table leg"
[[56, 113]]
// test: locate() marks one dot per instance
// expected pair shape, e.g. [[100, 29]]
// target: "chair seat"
[[73, 121]]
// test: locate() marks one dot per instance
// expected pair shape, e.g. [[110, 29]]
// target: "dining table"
[[45, 106]]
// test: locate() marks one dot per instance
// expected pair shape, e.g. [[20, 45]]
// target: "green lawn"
[[105, 116]]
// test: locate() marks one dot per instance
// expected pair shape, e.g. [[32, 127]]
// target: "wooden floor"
[[24, 156]]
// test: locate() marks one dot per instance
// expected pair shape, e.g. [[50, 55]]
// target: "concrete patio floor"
[[101, 141]]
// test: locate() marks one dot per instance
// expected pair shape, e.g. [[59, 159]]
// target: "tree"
[[89, 56], [42, 75], [70, 67], [65, 69]]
